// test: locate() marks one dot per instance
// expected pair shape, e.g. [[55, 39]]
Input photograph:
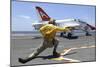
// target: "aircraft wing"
[[67, 23], [59, 23]]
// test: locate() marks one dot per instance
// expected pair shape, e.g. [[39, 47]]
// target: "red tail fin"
[[42, 14]]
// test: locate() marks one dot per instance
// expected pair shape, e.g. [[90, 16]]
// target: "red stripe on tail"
[[43, 14]]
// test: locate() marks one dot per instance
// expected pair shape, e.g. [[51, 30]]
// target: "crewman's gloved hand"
[[70, 28]]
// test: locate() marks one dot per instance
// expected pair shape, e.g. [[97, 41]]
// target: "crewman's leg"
[[33, 55], [55, 43], [37, 51]]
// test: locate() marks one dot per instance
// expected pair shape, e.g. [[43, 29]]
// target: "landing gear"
[[68, 36], [87, 34], [87, 29], [62, 34]]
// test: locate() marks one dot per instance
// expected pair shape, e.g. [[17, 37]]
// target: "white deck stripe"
[[65, 59], [66, 50]]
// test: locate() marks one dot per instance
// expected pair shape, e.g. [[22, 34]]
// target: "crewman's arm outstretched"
[[59, 29]]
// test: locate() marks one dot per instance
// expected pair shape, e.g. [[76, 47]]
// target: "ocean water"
[[37, 33]]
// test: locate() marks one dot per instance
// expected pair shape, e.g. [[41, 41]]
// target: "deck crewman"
[[49, 40]]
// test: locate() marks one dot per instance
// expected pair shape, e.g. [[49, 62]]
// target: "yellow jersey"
[[49, 31]]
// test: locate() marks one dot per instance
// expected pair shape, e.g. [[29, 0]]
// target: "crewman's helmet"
[[52, 21]]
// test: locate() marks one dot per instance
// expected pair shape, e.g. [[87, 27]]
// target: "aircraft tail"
[[92, 27], [42, 14]]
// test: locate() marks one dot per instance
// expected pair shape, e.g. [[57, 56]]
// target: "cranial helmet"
[[52, 21]]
